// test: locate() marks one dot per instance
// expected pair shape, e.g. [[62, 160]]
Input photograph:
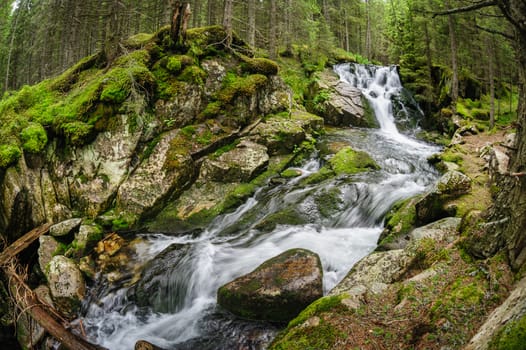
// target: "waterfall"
[[189, 269]]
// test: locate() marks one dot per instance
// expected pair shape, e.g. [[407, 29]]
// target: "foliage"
[[9, 154]]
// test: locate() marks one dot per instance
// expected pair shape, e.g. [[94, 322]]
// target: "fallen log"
[[43, 313], [27, 301], [22, 243]]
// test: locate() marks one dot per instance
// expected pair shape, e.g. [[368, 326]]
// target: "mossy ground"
[[442, 309]]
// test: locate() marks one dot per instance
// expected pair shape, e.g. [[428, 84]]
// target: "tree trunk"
[[510, 203], [252, 23], [272, 45], [491, 76], [454, 64], [227, 21], [179, 22], [368, 29]]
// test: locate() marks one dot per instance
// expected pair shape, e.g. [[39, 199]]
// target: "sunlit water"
[[184, 314]]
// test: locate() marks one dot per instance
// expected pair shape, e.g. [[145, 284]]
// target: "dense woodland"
[[41, 38]]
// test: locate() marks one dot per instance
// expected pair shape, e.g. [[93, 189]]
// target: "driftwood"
[[22, 243], [27, 301]]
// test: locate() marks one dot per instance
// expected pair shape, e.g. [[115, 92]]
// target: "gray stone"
[[513, 308], [64, 228], [66, 284], [240, 164], [277, 290], [47, 249]]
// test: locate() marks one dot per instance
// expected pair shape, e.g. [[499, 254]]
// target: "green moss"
[[212, 110], [77, 133], [234, 86], [259, 66], [512, 336], [9, 154], [174, 64], [284, 217], [34, 138], [400, 219], [329, 201], [193, 74], [349, 161], [290, 173], [224, 149], [324, 304], [138, 40], [321, 175]]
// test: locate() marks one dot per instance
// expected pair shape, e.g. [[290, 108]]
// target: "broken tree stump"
[[179, 23]]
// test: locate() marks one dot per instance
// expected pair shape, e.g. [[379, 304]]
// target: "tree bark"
[[454, 64], [227, 21], [179, 22], [272, 47], [368, 29], [252, 23]]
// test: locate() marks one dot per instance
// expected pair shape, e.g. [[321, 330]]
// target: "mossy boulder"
[[398, 223], [350, 161], [432, 206], [277, 290], [66, 284]]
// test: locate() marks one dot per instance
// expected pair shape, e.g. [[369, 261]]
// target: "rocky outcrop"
[[504, 328], [277, 290], [374, 273], [240, 164], [66, 285], [341, 104]]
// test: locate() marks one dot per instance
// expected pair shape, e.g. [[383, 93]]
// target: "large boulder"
[[66, 284], [277, 290], [342, 104], [432, 206], [240, 164]]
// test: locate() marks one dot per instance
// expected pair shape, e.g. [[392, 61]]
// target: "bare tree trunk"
[[272, 47], [490, 44], [368, 29], [10, 51], [252, 23], [346, 20], [179, 22], [227, 21], [454, 63]]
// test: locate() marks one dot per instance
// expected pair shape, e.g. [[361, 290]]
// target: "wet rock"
[[66, 284], [241, 164], [432, 206], [48, 248], [85, 240], [345, 105], [277, 290], [64, 228], [159, 286], [350, 161]]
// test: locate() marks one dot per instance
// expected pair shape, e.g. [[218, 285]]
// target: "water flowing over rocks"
[[345, 105], [277, 290]]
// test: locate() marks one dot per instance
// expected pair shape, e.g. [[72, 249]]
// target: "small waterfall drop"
[[189, 269]]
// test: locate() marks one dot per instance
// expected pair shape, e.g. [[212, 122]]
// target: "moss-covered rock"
[[398, 223], [350, 161], [66, 284], [277, 290]]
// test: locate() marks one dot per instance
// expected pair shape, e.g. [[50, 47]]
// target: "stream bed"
[[341, 219]]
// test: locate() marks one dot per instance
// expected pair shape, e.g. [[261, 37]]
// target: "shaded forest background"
[[41, 38]]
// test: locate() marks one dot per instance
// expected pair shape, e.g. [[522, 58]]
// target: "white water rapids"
[[187, 317]]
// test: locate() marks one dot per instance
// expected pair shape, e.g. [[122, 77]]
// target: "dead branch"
[[468, 8], [494, 31], [22, 243], [43, 313]]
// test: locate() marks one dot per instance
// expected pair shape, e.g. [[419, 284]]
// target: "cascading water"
[[185, 271]]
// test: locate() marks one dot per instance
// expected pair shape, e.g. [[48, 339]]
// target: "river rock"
[[66, 284], [64, 228], [277, 290], [240, 164], [47, 248], [432, 205]]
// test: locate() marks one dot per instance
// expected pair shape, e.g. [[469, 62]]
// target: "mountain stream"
[[191, 267]]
